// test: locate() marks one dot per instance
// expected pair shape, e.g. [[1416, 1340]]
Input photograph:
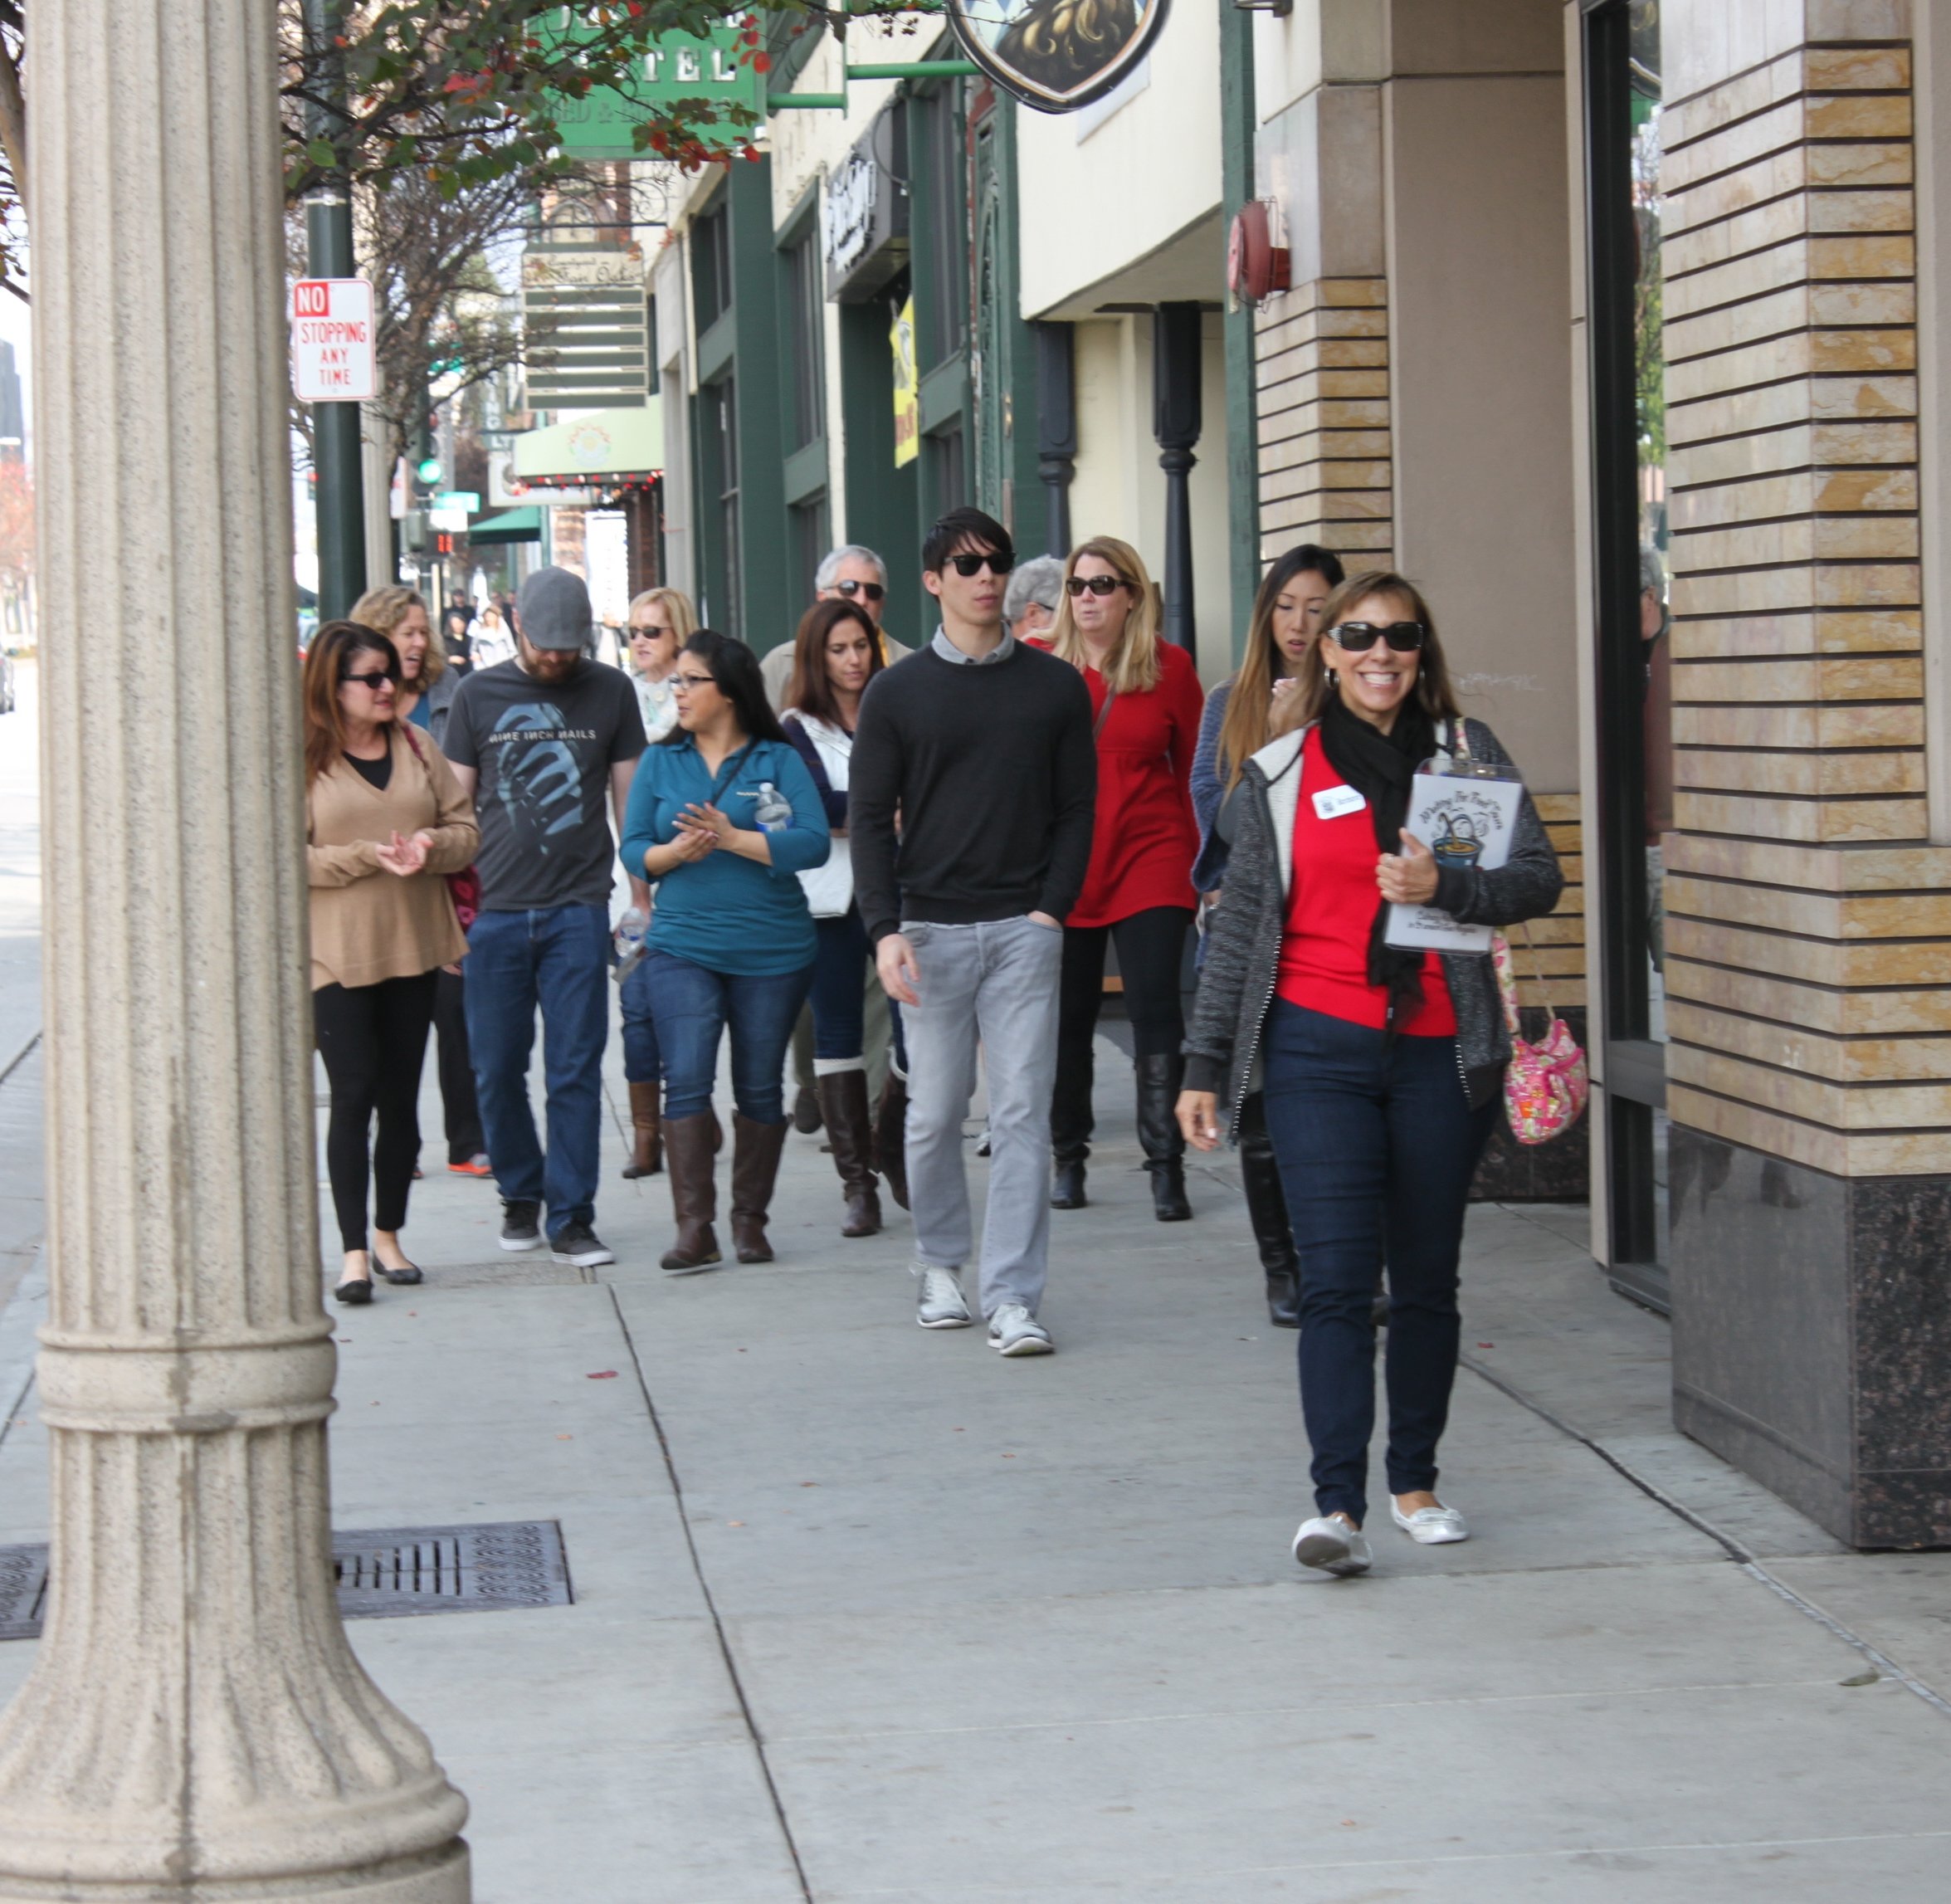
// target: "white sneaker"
[[941, 1304], [1013, 1330], [1429, 1526], [1328, 1542]]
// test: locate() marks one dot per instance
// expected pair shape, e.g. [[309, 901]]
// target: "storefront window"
[[1631, 619]]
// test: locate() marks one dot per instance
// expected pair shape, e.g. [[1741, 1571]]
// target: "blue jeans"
[[559, 959], [642, 1064], [839, 1001], [1377, 1145], [693, 1005]]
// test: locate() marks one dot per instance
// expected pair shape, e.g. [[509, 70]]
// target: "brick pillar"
[[1809, 923]]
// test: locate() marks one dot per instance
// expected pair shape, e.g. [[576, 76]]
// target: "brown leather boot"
[[646, 1156], [694, 1196], [843, 1105], [891, 1137], [755, 1167]]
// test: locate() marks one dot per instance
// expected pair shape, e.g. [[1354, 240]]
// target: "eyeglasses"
[[1095, 585], [1358, 637], [873, 590], [650, 634], [684, 683], [998, 561], [372, 682]]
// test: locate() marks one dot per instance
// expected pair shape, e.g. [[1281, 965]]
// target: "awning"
[[511, 525], [594, 449]]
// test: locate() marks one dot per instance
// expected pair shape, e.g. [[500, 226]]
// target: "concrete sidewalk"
[[865, 1612]]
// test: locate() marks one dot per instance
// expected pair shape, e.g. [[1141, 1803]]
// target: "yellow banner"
[[907, 388]]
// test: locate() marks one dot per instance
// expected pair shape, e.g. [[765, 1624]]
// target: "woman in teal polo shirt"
[[723, 817]]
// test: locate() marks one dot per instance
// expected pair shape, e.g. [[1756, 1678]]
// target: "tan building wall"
[[1809, 924], [1415, 389]]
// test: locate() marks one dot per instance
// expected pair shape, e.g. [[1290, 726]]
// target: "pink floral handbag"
[[1546, 1085]]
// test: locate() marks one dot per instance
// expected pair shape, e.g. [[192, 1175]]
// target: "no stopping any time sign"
[[332, 356]]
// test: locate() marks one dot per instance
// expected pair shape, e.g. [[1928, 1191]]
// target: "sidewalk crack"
[[724, 1645]]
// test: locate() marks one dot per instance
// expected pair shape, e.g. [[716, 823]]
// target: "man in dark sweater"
[[970, 801]]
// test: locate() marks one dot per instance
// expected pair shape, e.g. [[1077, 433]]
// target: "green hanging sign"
[[679, 66]]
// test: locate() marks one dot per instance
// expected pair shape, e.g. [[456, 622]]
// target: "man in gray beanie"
[[537, 743]]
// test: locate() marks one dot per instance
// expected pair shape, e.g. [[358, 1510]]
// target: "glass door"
[[1632, 625]]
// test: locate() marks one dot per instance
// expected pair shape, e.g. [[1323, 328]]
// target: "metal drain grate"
[[385, 1574]]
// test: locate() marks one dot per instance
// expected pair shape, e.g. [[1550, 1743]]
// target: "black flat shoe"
[[359, 1290], [409, 1274], [1066, 1188]]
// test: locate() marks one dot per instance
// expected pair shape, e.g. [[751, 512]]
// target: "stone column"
[[196, 1725]]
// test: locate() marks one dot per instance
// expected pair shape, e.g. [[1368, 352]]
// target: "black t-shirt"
[[378, 772], [542, 754]]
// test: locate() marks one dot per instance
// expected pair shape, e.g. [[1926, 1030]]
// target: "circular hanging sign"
[[1056, 54]]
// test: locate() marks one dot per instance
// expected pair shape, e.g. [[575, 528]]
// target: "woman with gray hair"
[[1030, 603]]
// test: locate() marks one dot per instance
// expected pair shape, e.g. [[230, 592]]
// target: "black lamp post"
[[1175, 423]]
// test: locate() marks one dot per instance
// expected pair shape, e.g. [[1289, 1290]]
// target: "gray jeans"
[[995, 984]]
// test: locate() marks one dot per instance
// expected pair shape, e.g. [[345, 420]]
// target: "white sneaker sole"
[[944, 1321], [589, 1259], [522, 1242], [1329, 1553], [1023, 1345]]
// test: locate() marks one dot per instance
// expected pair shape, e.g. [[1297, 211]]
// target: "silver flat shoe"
[[1431, 1526]]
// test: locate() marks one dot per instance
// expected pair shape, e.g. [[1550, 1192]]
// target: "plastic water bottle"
[[773, 812], [628, 941]]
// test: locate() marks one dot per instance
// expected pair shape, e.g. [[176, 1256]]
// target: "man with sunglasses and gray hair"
[[848, 573], [981, 747]]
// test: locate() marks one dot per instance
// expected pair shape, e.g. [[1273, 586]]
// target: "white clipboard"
[[1466, 811]]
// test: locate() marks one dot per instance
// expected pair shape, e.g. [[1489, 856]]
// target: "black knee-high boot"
[[1266, 1210], [1160, 1076]]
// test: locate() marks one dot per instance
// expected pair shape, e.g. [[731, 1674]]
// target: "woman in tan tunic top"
[[385, 819]]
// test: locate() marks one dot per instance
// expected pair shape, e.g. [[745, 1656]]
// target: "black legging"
[[373, 1040], [1151, 952], [462, 1109]]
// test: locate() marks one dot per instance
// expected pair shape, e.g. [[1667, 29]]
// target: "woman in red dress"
[[1147, 699]]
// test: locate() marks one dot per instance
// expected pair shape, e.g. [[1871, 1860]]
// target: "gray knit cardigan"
[[1243, 936]]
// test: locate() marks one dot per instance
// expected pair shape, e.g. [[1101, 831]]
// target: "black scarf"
[[1380, 768]]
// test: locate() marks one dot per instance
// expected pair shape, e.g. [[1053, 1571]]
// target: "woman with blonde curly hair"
[[428, 688], [1146, 699]]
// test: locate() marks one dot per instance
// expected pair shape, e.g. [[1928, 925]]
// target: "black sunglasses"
[[371, 681], [999, 562], [872, 590], [1096, 584], [1358, 637]]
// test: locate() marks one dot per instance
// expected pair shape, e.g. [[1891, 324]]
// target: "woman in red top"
[[1147, 699], [1382, 1066]]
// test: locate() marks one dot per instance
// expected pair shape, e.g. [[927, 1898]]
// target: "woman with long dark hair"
[[1383, 1067], [385, 818], [836, 652], [722, 816], [1237, 723], [1145, 699]]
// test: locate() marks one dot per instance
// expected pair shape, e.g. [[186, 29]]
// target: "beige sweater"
[[368, 923]]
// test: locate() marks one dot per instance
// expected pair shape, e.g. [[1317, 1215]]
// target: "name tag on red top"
[[1331, 803]]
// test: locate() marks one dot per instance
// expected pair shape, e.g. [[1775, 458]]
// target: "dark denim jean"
[[557, 958], [838, 997], [642, 1064], [1376, 1145], [693, 1006]]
